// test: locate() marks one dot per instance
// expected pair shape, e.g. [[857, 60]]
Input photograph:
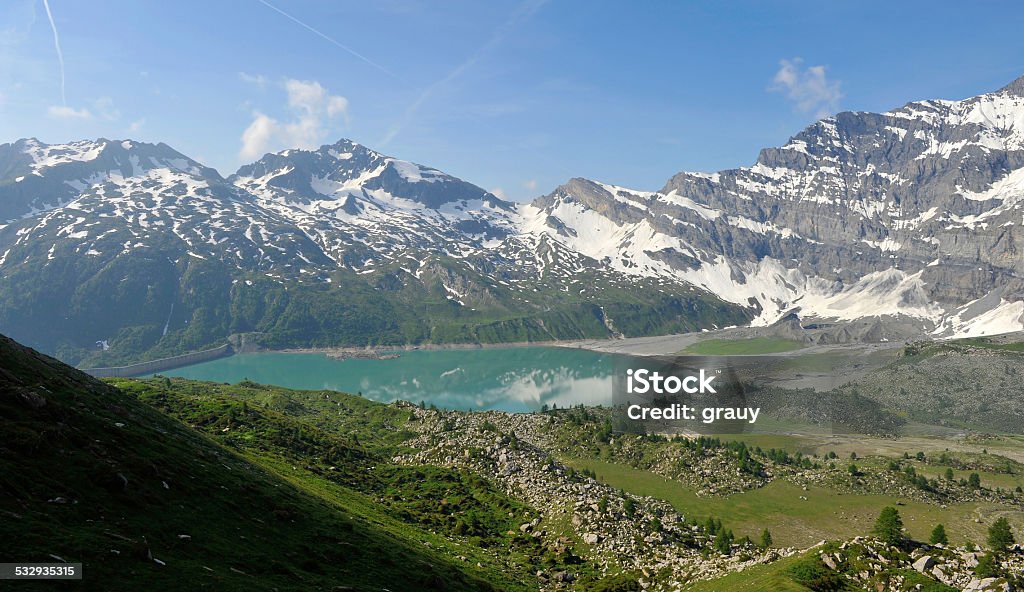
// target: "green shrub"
[[812, 573]]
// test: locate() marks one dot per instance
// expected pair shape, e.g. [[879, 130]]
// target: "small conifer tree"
[[938, 536], [889, 526]]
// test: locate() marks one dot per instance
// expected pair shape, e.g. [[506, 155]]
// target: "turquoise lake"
[[508, 379]]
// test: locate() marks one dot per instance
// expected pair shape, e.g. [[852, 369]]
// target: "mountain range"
[[114, 251]]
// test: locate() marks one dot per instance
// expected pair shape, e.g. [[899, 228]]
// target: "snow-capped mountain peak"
[[38, 177], [914, 215], [346, 169]]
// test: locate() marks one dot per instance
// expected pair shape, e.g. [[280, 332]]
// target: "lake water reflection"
[[514, 379]]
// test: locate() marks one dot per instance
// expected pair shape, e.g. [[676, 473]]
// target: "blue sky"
[[513, 96]]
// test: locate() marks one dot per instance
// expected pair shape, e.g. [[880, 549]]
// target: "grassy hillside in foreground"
[[89, 474], [340, 447]]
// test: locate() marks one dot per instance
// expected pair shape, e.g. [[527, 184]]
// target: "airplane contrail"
[[524, 11], [328, 38], [60, 54]]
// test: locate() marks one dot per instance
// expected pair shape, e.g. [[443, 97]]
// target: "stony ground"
[[617, 530], [868, 562], [621, 532]]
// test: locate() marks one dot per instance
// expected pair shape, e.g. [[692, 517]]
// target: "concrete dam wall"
[[162, 364]]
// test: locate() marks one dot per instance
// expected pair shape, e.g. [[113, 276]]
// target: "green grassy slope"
[[93, 475], [338, 446], [774, 577], [742, 347], [989, 343], [800, 517]]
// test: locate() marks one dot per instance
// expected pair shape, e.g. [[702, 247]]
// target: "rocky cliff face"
[[914, 212]]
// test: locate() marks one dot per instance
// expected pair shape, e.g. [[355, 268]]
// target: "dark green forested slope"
[[91, 474], [158, 303]]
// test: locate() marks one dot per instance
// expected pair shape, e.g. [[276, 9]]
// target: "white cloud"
[[63, 112], [808, 88], [136, 125], [256, 138], [338, 106], [499, 193], [305, 95], [104, 107], [313, 110], [530, 184], [257, 79]]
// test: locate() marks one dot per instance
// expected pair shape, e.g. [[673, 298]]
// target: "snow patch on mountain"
[[415, 173], [46, 156], [972, 320]]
